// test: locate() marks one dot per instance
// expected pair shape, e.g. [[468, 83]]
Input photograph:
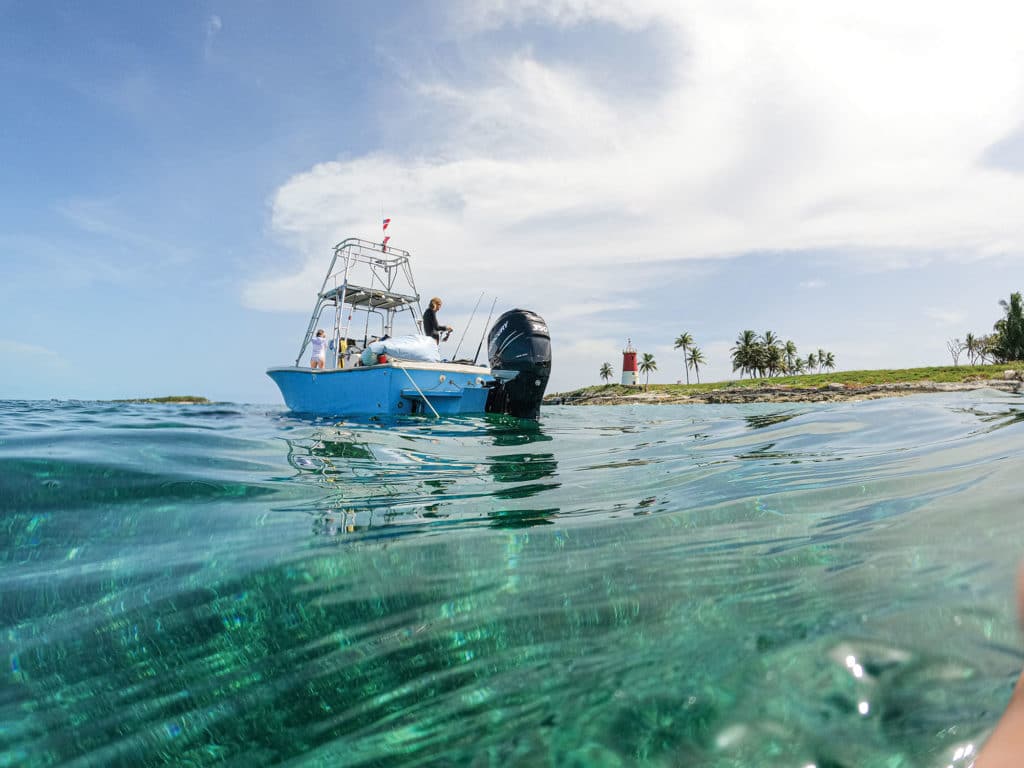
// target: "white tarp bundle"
[[411, 347]]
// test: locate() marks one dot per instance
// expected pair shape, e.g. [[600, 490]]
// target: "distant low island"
[[180, 399], [846, 385], [777, 373]]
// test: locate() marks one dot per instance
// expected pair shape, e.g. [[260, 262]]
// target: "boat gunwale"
[[414, 365]]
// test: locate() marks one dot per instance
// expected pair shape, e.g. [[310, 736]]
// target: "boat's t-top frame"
[[364, 279]]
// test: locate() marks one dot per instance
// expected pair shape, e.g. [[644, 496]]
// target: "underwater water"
[[696, 585]]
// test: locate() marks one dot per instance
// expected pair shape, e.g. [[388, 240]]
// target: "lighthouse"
[[629, 365]]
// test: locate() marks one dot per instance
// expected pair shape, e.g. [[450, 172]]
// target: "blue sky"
[[175, 175]]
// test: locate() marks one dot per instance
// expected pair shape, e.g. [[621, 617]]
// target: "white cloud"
[[106, 220], [16, 353], [812, 284], [213, 28], [473, 17], [783, 126], [945, 317]]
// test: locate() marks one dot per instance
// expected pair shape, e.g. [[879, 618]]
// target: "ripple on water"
[[681, 585]]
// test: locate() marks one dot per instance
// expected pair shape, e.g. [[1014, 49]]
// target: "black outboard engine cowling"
[[518, 343]]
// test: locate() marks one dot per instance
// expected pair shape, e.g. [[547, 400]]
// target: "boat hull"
[[387, 389]]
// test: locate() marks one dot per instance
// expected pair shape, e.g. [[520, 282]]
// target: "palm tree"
[[769, 356], [830, 361], [774, 359], [1010, 329], [971, 347], [791, 358], [812, 362], [684, 341], [606, 372], [822, 356], [743, 352], [695, 360], [759, 360], [647, 364]]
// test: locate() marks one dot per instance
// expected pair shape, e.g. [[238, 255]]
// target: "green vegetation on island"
[[765, 355], [768, 356], [807, 387], [181, 399], [851, 380], [647, 366], [1006, 342], [775, 368]]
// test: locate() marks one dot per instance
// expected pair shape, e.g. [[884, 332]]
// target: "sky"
[[173, 178]]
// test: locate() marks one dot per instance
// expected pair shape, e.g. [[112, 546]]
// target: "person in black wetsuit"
[[430, 324]]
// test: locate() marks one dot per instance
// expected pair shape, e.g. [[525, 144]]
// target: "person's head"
[[435, 303], [320, 332]]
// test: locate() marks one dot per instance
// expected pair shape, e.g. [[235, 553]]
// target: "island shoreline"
[[775, 393]]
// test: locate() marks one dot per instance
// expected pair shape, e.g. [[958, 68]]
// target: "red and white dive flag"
[[386, 222], [384, 242]]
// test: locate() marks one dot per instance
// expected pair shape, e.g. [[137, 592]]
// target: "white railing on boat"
[[370, 279]]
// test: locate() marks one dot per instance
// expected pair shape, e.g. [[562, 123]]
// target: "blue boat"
[[366, 295]]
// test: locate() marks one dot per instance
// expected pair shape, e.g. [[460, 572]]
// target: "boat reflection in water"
[[387, 477]]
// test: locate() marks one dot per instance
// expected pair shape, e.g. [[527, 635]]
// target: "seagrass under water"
[[769, 585]]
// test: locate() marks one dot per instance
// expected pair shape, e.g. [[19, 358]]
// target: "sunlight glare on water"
[[763, 585]]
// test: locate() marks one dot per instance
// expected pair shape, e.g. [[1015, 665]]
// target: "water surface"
[[692, 585]]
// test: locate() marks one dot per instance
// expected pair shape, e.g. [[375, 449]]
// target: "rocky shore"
[[783, 394]]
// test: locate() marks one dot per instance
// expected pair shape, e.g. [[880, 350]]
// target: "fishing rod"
[[471, 316], [478, 346]]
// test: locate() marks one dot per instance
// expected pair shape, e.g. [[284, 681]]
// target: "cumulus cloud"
[[782, 126]]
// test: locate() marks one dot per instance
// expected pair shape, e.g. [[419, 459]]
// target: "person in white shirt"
[[318, 349]]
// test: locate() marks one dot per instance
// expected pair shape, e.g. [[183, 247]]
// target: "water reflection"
[[996, 420], [519, 467], [414, 473], [762, 420]]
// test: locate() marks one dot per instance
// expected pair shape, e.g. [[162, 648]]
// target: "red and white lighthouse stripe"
[[629, 368]]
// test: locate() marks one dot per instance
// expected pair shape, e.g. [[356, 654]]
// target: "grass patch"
[[851, 379]]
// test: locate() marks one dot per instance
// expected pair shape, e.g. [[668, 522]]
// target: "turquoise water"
[[760, 585]]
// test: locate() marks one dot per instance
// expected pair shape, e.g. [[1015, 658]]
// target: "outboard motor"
[[519, 351]]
